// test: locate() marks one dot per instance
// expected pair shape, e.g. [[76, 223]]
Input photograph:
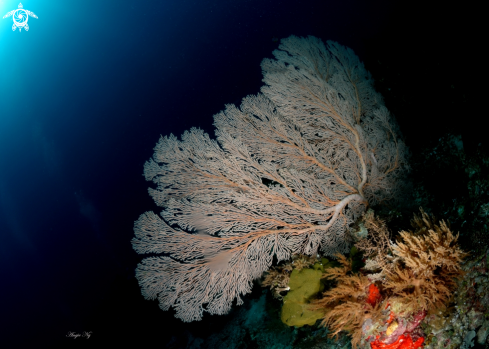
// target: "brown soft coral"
[[346, 306], [415, 275], [377, 248], [430, 263]]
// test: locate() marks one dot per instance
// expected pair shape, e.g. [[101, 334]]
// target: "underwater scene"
[[243, 175]]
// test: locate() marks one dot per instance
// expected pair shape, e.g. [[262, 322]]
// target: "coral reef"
[[466, 321], [402, 283], [419, 290]]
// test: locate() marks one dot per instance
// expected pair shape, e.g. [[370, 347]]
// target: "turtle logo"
[[20, 17]]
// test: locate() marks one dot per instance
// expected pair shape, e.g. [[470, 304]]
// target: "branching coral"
[[377, 248], [350, 303], [430, 263], [414, 276]]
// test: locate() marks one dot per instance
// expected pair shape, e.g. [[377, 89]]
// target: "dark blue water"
[[85, 94]]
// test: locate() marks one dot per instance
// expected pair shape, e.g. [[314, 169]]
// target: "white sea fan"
[[291, 170]]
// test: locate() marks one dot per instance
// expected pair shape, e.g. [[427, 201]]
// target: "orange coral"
[[373, 295], [403, 342]]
